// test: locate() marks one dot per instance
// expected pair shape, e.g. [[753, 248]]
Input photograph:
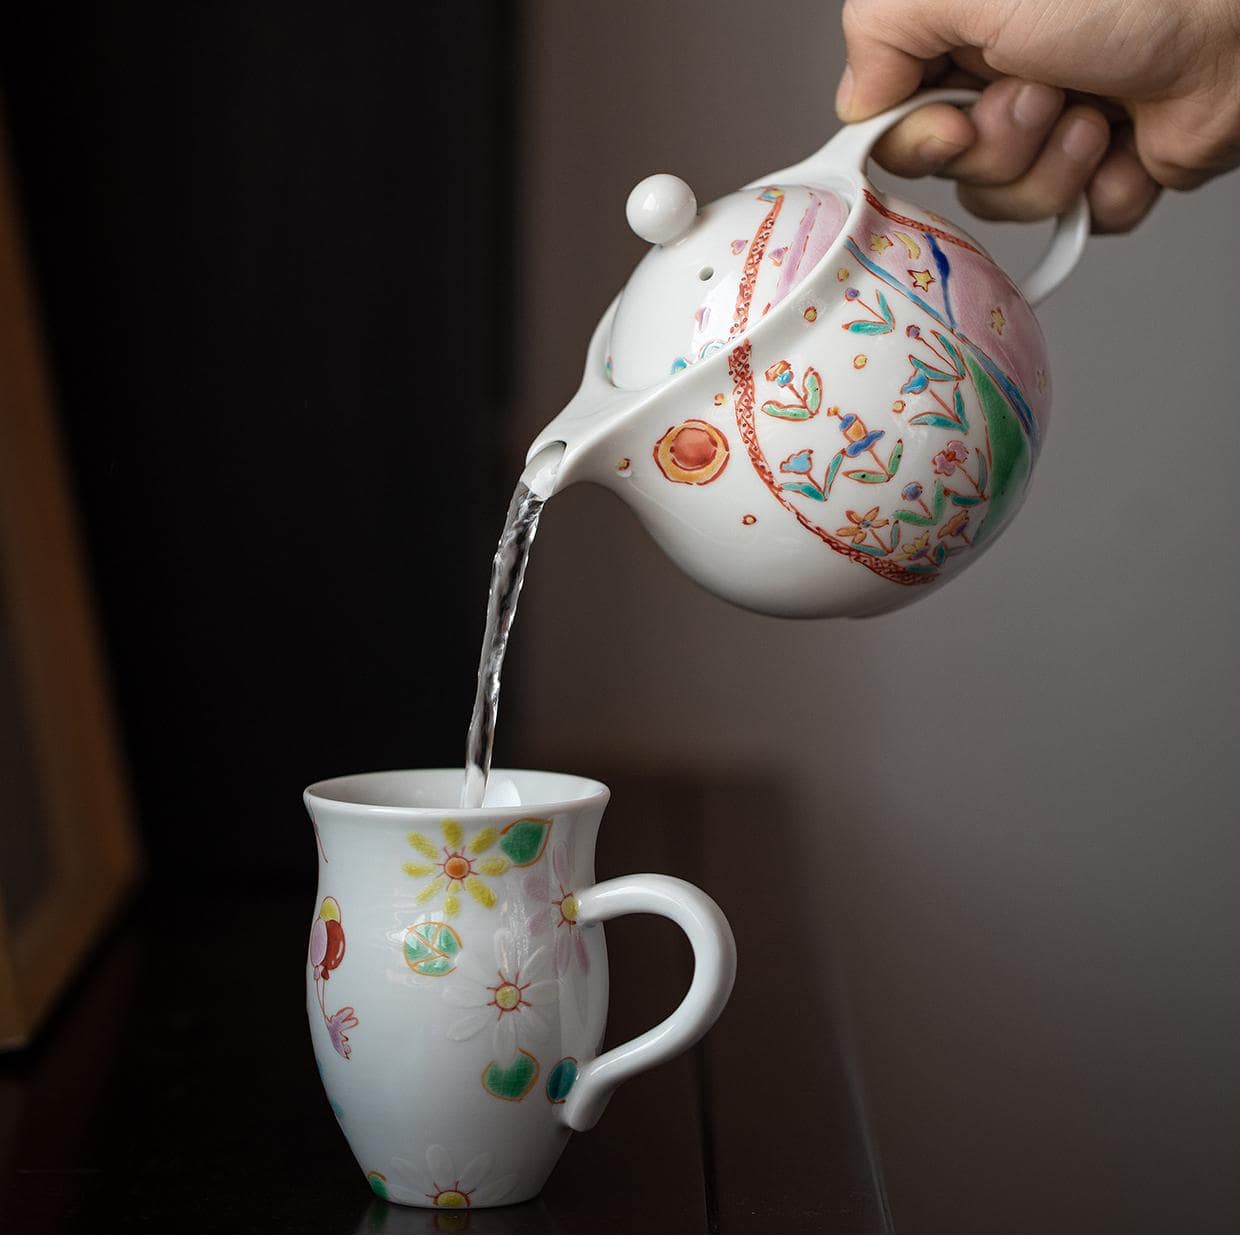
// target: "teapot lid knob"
[[660, 208]]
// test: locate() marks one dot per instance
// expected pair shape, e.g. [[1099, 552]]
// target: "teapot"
[[819, 399]]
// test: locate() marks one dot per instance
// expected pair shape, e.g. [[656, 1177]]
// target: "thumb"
[[889, 43]]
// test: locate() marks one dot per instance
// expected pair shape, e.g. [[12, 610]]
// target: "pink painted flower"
[[559, 911], [945, 462], [337, 1024]]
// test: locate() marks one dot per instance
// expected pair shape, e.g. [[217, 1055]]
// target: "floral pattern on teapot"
[[918, 447]]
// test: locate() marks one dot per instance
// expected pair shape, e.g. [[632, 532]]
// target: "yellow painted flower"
[[457, 865], [918, 549]]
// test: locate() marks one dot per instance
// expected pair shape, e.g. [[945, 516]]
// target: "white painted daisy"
[[441, 1186], [505, 995]]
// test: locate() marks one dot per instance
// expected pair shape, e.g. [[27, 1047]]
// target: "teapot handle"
[[851, 147]]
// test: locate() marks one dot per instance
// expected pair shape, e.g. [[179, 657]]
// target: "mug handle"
[[714, 970], [851, 147]]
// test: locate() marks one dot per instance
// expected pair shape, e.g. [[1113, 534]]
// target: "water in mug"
[[507, 574]]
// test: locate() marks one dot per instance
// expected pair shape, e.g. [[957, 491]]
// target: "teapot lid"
[[713, 273]]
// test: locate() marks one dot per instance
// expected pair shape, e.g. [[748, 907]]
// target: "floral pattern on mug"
[[442, 1186], [510, 995], [456, 865], [559, 910]]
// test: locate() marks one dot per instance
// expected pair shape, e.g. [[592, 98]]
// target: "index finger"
[[890, 43]]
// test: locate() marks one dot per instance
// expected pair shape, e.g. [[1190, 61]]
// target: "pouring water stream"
[[534, 488]]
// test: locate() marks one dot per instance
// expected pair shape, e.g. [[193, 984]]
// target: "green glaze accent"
[[378, 1185], [431, 948], [513, 1082], [523, 840], [789, 413], [813, 390], [1009, 449], [561, 1079]]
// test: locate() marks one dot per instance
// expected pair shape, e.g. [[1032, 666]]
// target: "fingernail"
[[935, 152], [1035, 105], [844, 92], [1082, 140]]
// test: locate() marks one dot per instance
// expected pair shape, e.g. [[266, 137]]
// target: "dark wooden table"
[[174, 1090]]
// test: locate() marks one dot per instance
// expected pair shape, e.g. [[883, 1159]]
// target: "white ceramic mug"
[[457, 977]]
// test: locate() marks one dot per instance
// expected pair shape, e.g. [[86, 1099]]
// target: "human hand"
[[1119, 98]]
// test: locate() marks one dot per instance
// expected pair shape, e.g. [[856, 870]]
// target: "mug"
[[457, 977]]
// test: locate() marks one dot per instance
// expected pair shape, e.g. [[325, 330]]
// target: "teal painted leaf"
[[513, 1082], [834, 468], [804, 488], [864, 475], [932, 373], [561, 1079], [934, 419], [893, 461], [966, 501], [868, 549], [953, 352], [885, 308], [863, 327], [940, 554], [813, 390], [790, 413], [523, 841], [958, 402], [431, 948]]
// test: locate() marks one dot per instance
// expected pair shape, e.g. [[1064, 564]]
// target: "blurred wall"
[[1016, 803]]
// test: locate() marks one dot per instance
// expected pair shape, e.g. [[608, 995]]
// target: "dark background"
[[273, 247], [270, 245]]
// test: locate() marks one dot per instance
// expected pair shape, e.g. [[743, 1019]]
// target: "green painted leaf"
[[813, 390], [863, 327], [790, 413], [893, 461], [804, 488], [981, 472], [834, 468], [513, 1082], [921, 518], [523, 841], [934, 419], [1011, 456], [940, 554], [886, 309], [966, 501], [864, 475]]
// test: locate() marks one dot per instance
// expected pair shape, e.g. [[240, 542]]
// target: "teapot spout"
[[574, 446], [542, 468]]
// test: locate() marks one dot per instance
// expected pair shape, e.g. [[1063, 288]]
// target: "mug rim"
[[318, 793]]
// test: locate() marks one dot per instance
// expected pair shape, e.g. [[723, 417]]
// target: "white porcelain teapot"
[[820, 400]]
